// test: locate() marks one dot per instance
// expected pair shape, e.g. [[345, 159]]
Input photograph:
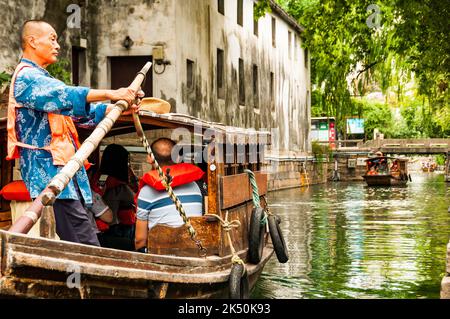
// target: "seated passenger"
[[154, 204], [115, 182], [395, 170], [372, 171]]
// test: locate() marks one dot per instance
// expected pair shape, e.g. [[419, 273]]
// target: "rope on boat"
[[228, 227], [167, 184], [255, 194], [255, 191]]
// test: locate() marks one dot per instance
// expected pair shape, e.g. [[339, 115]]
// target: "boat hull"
[[383, 180], [44, 268]]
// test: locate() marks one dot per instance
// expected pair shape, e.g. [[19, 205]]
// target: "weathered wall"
[[201, 30], [295, 173], [17, 12], [194, 30]]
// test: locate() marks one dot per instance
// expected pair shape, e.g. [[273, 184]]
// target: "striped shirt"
[[156, 207]]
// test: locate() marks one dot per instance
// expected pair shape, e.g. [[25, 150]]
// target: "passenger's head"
[[162, 149], [40, 42], [115, 162]]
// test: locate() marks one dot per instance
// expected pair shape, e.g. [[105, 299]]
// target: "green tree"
[[378, 45]]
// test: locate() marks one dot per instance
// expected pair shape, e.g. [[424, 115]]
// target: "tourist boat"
[[386, 171], [38, 267], [428, 167]]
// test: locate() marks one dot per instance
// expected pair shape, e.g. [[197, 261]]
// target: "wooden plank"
[[168, 240], [213, 171], [236, 189], [5, 224], [19, 260], [5, 216], [61, 246]]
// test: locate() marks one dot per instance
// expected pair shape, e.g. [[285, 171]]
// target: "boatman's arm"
[[35, 90]]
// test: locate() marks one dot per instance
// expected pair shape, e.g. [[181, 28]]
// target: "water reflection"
[[354, 241]]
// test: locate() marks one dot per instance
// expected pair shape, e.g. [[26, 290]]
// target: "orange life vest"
[[181, 174], [62, 128]]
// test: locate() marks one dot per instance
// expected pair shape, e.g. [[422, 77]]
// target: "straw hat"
[[153, 104]]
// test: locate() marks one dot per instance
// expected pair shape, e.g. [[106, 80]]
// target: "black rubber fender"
[[256, 236], [238, 281], [279, 245]]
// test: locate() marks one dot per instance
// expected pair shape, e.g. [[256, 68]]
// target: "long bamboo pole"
[[62, 179]]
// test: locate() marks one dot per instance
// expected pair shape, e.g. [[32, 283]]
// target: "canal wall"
[[284, 174], [445, 284], [350, 167]]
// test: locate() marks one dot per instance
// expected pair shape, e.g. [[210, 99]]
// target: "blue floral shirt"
[[39, 93]]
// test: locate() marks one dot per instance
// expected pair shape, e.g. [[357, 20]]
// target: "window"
[[220, 71], [189, 74], [289, 44], [274, 32], [241, 83], [240, 12], [255, 87], [272, 91], [306, 58], [255, 22], [295, 48], [221, 6]]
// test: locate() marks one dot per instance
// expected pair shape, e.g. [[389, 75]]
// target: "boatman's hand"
[[136, 104], [126, 94]]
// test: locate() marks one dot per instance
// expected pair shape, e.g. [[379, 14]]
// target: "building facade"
[[211, 59]]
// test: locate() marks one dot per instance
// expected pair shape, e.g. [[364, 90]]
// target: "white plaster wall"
[[148, 23], [15, 14]]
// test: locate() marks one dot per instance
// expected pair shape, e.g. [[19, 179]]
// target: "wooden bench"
[[5, 220]]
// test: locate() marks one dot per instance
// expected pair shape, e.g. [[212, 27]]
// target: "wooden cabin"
[[40, 267]]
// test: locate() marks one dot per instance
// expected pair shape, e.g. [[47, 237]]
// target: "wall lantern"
[[158, 55], [127, 43]]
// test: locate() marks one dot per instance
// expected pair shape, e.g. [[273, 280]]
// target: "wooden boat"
[[37, 267], [386, 171], [429, 168]]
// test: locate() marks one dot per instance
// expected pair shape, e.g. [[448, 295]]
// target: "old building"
[[211, 58]]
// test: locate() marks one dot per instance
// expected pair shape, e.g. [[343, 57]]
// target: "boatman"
[[41, 132]]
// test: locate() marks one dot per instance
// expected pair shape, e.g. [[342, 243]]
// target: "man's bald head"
[[34, 28], [40, 42], [162, 149]]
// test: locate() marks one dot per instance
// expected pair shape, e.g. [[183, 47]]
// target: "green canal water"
[[347, 240]]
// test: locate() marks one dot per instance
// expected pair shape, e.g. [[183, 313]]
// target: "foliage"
[[261, 7], [440, 159], [5, 78], [349, 42], [321, 151], [60, 70]]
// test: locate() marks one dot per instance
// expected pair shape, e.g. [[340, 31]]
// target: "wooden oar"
[[62, 179]]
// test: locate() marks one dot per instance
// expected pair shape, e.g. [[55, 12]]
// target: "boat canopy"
[[151, 121]]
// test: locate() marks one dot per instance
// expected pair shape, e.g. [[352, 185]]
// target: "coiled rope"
[[227, 227]]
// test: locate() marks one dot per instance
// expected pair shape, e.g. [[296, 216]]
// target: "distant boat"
[[386, 171], [428, 167]]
